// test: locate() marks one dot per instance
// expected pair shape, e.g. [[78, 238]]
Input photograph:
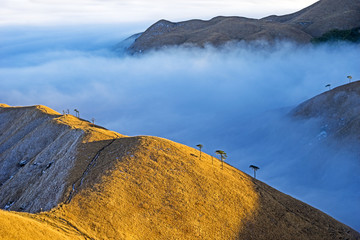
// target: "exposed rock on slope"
[[301, 26], [38, 149], [148, 188]]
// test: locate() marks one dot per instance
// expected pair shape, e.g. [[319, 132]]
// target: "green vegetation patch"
[[336, 35]]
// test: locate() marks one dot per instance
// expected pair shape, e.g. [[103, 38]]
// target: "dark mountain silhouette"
[[301, 27]]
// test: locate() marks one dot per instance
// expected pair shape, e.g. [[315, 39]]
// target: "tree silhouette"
[[223, 156], [77, 113], [93, 121], [255, 168], [200, 147], [329, 86], [349, 77]]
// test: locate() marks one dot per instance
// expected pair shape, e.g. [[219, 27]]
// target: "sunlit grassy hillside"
[[157, 189], [29, 227]]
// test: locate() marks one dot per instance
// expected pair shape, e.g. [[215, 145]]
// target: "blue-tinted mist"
[[234, 99]]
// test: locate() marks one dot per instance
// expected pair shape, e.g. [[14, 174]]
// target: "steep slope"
[[300, 27], [151, 188], [29, 227], [38, 147]]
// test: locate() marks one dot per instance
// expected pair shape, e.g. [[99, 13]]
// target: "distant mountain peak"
[[300, 27]]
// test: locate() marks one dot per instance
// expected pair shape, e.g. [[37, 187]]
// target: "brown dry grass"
[[93, 132], [3, 105], [29, 227], [157, 189], [41, 108]]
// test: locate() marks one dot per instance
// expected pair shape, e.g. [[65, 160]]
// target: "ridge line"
[[90, 165]]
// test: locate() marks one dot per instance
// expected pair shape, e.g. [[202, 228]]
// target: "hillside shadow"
[[279, 216]]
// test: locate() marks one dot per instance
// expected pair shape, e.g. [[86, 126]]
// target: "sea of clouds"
[[235, 99]]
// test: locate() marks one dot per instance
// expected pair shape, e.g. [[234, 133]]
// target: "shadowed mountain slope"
[[301, 27], [337, 109], [38, 149], [323, 16], [216, 31], [118, 187]]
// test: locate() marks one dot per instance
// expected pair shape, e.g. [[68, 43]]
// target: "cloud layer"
[[232, 99]]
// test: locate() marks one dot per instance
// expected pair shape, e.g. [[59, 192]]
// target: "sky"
[[68, 12], [235, 98]]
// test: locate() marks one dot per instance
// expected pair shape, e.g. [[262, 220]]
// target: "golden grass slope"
[[29, 227], [42, 108], [4, 105], [92, 132], [157, 189], [152, 188]]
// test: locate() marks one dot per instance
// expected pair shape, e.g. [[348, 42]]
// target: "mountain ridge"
[[300, 27]]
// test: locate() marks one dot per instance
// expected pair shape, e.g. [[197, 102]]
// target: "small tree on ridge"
[[349, 77], [255, 168], [200, 147], [223, 156], [77, 113]]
